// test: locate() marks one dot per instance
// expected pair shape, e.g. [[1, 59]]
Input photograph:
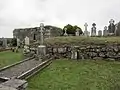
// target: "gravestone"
[[93, 30], [86, 33], [41, 33], [27, 41], [105, 31], [100, 33], [65, 34], [111, 27], [4, 42], [41, 51], [77, 33], [74, 53], [117, 30]]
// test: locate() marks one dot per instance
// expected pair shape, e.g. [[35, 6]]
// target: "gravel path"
[[19, 69]]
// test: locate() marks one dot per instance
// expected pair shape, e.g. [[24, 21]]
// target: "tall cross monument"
[[86, 32]]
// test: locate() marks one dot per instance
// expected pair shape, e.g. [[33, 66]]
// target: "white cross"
[[77, 29], [86, 25], [41, 32]]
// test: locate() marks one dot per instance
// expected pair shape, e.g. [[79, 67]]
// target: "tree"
[[71, 29], [76, 27], [14, 42]]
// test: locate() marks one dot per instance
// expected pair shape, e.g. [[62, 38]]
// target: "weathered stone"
[[41, 52], [102, 54], [55, 50], [60, 50]]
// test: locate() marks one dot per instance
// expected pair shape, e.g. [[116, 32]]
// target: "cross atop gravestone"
[[86, 33], [111, 27], [65, 34], [77, 32], [41, 33], [86, 25], [111, 21], [93, 30]]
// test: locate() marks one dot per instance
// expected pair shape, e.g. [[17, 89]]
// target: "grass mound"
[[73, 75], [75, 40]]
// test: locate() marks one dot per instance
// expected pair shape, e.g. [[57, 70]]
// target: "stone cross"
[[93, 30], [65, 34], [105, 32], [27, 41], [86, 25], [117, 32], [111, 21], [86, 32], [41, 33], [77, 32], [112, 27], [100, 33]]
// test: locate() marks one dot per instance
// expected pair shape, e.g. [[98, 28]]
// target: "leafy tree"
[[14, 42], [76, 27], [71, 29]]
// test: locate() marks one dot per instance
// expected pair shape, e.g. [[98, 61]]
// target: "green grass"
[[9, 57], [77, 75], [75, 40]]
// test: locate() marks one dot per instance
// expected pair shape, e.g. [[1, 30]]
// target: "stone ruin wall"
[[111, 52]]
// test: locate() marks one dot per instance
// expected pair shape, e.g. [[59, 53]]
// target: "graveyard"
[[37, 59], [9, 57]]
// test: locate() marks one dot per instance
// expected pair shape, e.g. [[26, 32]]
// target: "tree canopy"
[[72, 29]]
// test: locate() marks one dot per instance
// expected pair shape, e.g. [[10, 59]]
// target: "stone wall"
[[86, 51]]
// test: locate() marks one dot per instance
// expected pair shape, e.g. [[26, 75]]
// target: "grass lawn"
[[78, 40], [77, 75], [9, 57]]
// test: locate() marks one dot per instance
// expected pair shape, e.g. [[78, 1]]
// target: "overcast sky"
[[29, 13]]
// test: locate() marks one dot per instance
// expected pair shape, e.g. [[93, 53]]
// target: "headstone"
[[74, 53], [93, 30], [27, 41], [105, 31], [111, 28], [86, 33], [100, 33], [77, 33], [41, 52], [117, 32], [65, 34], [4, 42]]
